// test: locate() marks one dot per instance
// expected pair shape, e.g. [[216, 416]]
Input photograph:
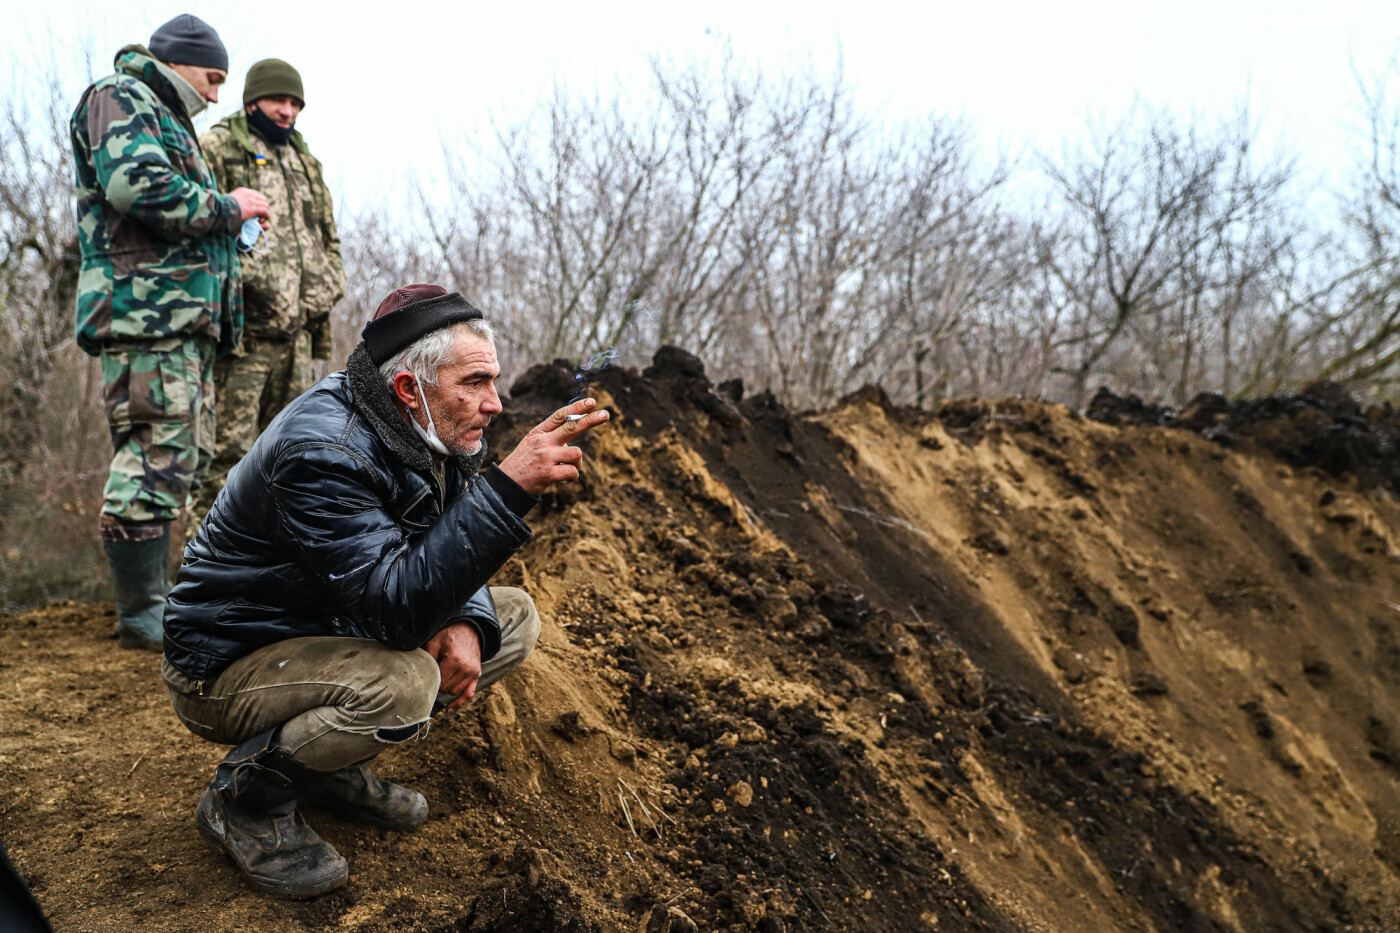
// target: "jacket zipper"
[[414, 504]]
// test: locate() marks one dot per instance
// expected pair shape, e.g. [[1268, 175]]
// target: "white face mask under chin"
[[430, 436]]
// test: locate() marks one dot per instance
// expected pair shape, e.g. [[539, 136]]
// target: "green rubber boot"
[[141, 577]]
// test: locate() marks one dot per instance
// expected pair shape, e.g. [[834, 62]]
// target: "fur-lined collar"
[[372, 399]]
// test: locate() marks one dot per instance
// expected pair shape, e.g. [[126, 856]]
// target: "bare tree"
[[1168, 230], [1357, 316]]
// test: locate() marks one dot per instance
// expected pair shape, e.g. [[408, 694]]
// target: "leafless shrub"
[[762, 224], [769, 227], [53, 437]]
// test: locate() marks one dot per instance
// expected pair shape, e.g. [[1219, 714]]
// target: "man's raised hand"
[[543, 457]]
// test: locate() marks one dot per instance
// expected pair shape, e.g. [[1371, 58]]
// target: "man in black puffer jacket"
[[336, 593]]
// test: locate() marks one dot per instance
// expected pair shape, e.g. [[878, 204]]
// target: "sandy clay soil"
[[995, 667]]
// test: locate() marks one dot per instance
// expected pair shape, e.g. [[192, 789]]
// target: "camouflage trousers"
[[159, 399], [250, 390]]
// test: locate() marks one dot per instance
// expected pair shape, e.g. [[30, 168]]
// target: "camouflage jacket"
[[156, 235], [297, 281]]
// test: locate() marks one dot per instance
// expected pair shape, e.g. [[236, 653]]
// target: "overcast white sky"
[[386, 81]]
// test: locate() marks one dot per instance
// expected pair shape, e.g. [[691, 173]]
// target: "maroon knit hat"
[[411, 312]]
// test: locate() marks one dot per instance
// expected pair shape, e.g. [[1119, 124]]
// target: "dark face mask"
[[267, 128]]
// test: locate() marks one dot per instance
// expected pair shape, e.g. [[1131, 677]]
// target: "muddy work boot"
[[354, 793], [250, 811], [138, 557]]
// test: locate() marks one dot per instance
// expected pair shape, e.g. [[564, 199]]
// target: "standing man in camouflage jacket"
[[289, 289], [158, 294]]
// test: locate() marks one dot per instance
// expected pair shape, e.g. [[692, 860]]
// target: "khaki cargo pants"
[[338, 700]]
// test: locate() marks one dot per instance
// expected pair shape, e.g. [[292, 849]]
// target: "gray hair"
[[431, 352]]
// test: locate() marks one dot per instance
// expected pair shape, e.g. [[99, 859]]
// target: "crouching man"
[[336, 595]]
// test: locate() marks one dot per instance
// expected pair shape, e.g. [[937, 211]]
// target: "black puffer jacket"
[[335, 524]]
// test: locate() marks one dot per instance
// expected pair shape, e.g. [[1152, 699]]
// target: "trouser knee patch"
[[393, 735]]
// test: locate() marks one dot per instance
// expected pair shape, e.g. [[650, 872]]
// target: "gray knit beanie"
[[189, 40]]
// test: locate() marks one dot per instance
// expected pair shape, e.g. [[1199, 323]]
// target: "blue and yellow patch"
[[259, 159]]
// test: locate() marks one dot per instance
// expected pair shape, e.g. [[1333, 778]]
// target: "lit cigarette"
[[572, 417]]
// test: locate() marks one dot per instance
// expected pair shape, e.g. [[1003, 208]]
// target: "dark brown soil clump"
[[1322, 426]]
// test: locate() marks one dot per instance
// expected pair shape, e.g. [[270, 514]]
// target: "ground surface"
[[995, 668]]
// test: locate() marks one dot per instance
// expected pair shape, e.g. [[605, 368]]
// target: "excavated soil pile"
[[998, 667]]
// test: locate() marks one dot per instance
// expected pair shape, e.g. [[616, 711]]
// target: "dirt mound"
[[1322, 426], [999, 667]]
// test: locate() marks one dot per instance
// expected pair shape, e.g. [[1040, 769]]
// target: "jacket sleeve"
[[331, 507], [320, 324], [332, 241], [137, 177]]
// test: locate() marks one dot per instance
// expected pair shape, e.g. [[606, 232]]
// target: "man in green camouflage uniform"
[[158, 295], [288, 291]]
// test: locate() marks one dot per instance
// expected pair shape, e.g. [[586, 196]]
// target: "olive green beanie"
[[270, 77]]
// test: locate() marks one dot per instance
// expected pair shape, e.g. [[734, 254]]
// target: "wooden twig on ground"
[[623, 800], [645, 809]]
